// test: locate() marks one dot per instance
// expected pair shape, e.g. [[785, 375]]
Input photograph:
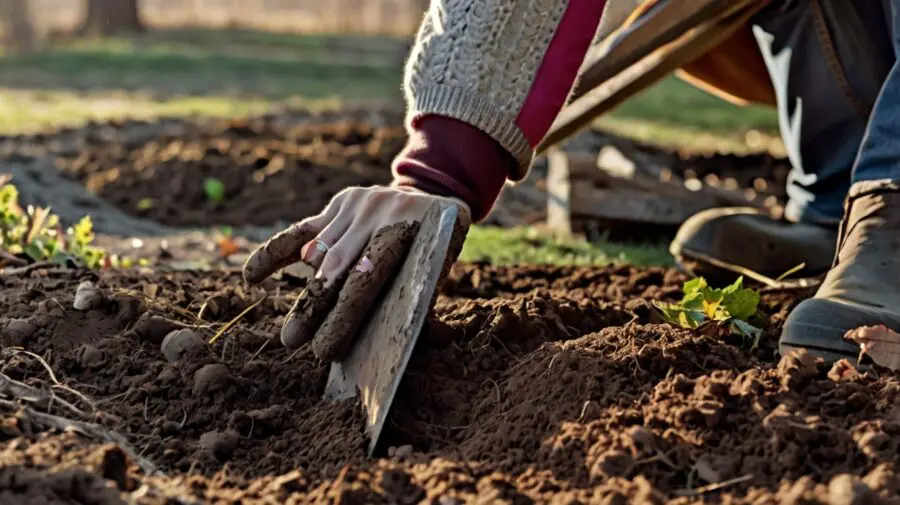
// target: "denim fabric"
[[825, 97], [879, 155]]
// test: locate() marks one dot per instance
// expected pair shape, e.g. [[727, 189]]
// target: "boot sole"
[[819, 325]]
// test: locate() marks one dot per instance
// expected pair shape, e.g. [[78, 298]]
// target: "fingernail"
[[365, 265]]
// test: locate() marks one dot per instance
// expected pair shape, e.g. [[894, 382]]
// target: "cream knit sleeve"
[[503, 66]]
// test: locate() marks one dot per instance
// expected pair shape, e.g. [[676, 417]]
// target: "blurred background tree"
[[111, 17], [19, 34]]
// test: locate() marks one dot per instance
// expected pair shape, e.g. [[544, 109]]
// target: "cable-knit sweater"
[[484, 82]]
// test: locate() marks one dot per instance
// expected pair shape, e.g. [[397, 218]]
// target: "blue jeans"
[[828, 61]]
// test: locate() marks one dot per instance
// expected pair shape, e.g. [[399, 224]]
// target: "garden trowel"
[[374, 367]]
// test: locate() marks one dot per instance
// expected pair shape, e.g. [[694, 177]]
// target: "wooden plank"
[[559, 187], [632, 206], [644, 73], [662, 22]]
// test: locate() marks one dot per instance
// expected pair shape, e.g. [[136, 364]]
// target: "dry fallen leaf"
[[880, 343], [151, 290], [227, 247]]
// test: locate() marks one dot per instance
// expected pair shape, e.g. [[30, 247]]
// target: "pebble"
[[178, 342], [88, 297]]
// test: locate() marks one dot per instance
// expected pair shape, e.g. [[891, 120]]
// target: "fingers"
[[380, 262], [308, 312], [315, 251], [344, 252], [281, 250], [286, 247]]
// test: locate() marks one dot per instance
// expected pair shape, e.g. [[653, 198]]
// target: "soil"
[[279, 168], [532, 384]]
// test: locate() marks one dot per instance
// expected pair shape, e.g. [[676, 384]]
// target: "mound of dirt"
[[530, 385], [280, 168]]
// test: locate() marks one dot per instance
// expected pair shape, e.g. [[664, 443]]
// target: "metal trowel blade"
[[375, 366]]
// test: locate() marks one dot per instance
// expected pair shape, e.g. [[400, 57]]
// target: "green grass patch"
[[501, 246], [197, 72]]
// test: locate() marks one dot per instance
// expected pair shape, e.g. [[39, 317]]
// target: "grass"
[[203, 73], [225, 73], [526, 245]]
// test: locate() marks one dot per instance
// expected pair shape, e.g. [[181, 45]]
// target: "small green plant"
[[214, 189], [36, 234], [730, 309], [145, 204]]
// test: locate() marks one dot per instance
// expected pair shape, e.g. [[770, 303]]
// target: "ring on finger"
[[321, 246]]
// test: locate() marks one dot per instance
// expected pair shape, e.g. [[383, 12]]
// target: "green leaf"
[[34, 251], [83, 232], [694, 286], [733, 305], [60, 258], [145, 204], [214, 189], [740, 302]]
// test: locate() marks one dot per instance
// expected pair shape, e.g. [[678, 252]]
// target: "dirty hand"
[[369, 229]]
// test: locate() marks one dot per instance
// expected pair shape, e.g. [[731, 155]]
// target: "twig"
[[27, 269], [25, 392], [87, 429], [296, 352], [265, 343], [40, 360], [56, 382], [758, 277], [9, 258], [234, 321], [713, 487]]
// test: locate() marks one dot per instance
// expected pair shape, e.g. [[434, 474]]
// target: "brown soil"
[[532, 385], [283, 167]]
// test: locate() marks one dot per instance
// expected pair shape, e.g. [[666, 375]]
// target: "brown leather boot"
[[751, 239], [863, 286]]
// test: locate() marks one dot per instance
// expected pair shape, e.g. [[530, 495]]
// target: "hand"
[[381, 220]]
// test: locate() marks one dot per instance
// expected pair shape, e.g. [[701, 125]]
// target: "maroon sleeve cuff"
[[448, 157]]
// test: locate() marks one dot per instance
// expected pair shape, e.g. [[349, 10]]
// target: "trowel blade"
[[376, 364]]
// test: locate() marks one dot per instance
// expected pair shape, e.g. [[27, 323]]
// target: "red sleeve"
[[447, 157]]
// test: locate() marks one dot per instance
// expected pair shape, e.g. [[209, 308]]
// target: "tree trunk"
[[111, 17], [19, 34]]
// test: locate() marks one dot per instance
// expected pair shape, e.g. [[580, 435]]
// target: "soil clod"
[[220, 444], [211, 378]]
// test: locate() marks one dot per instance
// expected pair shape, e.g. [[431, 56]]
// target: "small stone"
[[403, 451], [178, 342], [88, 297]]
